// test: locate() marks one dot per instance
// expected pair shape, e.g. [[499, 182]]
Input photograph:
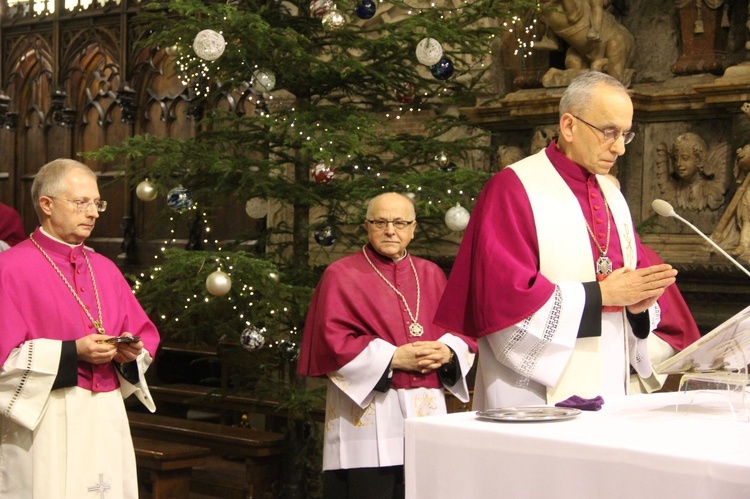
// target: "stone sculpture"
[[690, 175], [597, 40]]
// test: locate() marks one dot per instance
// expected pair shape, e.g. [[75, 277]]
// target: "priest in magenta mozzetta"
[[11, 227], [74, 343], [369, 331], [550, 276]]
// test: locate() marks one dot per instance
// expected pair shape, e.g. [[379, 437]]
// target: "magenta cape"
[[495, 281], [35, 303], [11, 227], [677, 326], [352, 306]]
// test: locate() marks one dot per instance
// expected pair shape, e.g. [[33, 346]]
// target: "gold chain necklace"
[[415, 328], [97, 323], [603, 263]]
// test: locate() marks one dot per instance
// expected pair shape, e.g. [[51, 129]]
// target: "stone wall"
[[690, 78]]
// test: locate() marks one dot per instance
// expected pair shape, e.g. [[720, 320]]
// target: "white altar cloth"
[[636, 447]]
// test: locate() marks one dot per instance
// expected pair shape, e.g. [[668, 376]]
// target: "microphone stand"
[[710, 241]]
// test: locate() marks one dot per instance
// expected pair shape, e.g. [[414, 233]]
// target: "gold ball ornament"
[[334, 20], [256, 208], [146, 191], [218, 283], [442, 159]]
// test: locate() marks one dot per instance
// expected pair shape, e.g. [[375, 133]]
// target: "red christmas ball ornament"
[[319, 8], [322, 173], [405, 93]]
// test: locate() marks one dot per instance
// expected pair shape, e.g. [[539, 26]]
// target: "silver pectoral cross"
[[603, 265]]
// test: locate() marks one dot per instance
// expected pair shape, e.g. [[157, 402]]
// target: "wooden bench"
[[260, 449], [186, 396], [169, 465]]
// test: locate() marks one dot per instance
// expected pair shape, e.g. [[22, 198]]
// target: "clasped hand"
[[95, 350], [421, 356], [636, 289]]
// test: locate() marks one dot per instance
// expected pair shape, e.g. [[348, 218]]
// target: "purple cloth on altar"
[[35, 303], [581, 403], [352, 306], [495, 281], [11, 226]]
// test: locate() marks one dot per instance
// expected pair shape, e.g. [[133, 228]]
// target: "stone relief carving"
[[690, 175], [542, 138], [597, 40], [732, 232], [507, 155]]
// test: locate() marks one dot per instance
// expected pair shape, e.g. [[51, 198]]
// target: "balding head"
[[385, 209]]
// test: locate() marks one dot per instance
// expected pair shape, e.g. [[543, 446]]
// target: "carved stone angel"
[[732, 232], [690, 175]]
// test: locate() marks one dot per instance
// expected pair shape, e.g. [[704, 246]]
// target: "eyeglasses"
[[611, 134], [83, 206], [397, 224]]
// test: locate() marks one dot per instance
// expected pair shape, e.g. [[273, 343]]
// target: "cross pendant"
[[603, 265], [99, 327], [416, 329]]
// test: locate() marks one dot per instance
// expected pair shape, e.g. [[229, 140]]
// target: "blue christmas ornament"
[[365, 9], [443, 69], [325, 236], [179, 199]]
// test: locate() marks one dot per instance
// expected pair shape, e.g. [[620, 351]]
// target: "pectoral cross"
[[98, 326]]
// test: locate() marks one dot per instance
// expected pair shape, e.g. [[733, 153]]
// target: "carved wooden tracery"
[[72, 81]]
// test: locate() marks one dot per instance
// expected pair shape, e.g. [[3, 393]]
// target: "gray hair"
[[581, 90], [49, 180]]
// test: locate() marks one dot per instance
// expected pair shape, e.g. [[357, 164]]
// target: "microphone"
[[665, 209]]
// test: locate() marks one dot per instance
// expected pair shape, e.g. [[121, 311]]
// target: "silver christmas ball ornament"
[[209, 45], [264, 80], [146, 191], [288, 350], [218, 283], [457, 218], [179, 199], [252, 338]]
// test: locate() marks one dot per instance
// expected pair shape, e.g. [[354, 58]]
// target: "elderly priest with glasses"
[[369, 331], [74, 342], [550, 275]]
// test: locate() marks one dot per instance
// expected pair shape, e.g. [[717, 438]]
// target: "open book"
[[726, 348]]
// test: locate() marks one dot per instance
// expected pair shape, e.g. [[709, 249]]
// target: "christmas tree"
[[303, 111]]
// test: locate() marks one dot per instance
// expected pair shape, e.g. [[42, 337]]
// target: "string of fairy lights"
[[218, 284], [195, 69]]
